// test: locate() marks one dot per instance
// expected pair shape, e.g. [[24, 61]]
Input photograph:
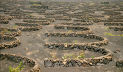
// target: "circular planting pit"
[[8, 42], [113, 24], [73, 29], [77, 24], [116, 26], [38, 18], [10, 32], [102, 41], [8, 60], [66, 18], [68, 40], [63, 18], [79, 60], [28, 26], [41, 22], [81, 20], [111, 13]]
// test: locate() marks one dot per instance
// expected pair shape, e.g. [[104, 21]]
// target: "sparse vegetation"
[[81, 55], [6, 31], [15, 27], [60, 34], [74, 56], [53, 55], [92, 56], [110, 34], [17, 69], [70, 31]]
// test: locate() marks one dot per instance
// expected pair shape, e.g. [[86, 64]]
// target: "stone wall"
[[2, 17], [77, 24], [113, 24], [14, 32], [71, 27], [116, 28], [41, 22], [102, 41], [4, 21], [10, 44], [25, 60], [119, 63], [29, 26], [49, 62]]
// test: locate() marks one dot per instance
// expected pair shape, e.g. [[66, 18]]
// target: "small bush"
[[17, 69]]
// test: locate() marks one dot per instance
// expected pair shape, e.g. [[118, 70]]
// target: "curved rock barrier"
[[81, 20], [77, 24], [59, 17], [46, 19], [2, 17], [98, 20], [71, 27], [113, 23], [117, 17], [114, 20], [17, 16], [28, 26], [10, 42], [4, 21], [10, 32], [63, 18], [102, 41], [25, 60], [79, 29], [112, 13], [119, 63], [78, 62], [116, 28], [38, 18], [41, 22], [27, 17]]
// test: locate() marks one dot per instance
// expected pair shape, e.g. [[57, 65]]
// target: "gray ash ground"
[[73, 53], [32, 46], [5, 64], [69, 40]]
